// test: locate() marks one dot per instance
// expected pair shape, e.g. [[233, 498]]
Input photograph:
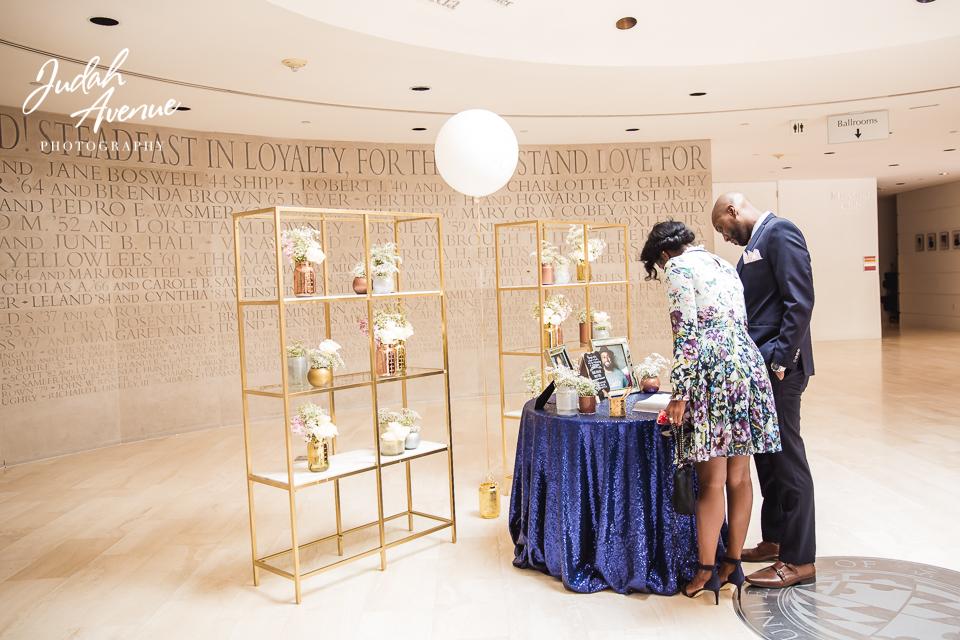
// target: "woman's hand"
[[675, 411]]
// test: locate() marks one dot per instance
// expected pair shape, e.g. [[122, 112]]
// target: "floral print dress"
[[718, 369]]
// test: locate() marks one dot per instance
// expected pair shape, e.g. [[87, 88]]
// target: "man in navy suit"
[[778, 290]]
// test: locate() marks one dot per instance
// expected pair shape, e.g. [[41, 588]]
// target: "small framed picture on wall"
[[918, 245], [931, 242], [956, 239], [944, 241]]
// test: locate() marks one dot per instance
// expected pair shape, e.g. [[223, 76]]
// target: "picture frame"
[[558, 357], [615, 355], [931, 242], [956, 239], [944, 241], [920, 243]]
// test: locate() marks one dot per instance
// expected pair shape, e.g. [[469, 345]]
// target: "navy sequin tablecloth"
[[590, 502]]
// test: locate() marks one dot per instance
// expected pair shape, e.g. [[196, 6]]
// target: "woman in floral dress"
[[722, 398]]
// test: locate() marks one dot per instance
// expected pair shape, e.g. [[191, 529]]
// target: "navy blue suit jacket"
[[778, 291]]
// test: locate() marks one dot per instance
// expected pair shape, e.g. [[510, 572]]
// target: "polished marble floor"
[[149, 540]]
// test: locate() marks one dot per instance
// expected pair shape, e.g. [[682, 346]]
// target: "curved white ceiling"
[[668, 33]]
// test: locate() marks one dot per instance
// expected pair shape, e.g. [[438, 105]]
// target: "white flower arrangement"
[[550, 254], [650, 367], [556, 309], [574, 242], [385, 261], [313, 424], [391, 327], [601, 319], [405, 417], [586, 387], [302, 244], [296, 350], [563, 377], [326, 356], [531, 378]]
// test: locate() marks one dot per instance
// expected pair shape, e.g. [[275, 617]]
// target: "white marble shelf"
[[344, 464], [513, 414]]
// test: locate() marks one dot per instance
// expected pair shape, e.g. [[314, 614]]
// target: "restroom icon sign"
[[798, 127]]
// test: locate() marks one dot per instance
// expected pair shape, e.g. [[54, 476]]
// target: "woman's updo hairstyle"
[[669, 236]]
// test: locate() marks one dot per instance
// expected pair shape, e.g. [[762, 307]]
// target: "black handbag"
[[684, 495]]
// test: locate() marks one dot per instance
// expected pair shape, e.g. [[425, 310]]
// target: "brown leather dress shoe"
[[781, 575], [763, 552]]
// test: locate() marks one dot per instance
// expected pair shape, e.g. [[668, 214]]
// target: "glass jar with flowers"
[[297, 365], [565, 381], [556, 309], [316, 428], [385, 265], [391, 330], [405, 422], [324, 360], [302, 246], [648, 372], [581, 255]]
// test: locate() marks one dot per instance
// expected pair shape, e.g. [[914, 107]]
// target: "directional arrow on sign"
[[857, 133]]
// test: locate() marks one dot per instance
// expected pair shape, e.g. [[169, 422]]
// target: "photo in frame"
[[956, 239], [944, 241], [558, 357], [920, 243], [931, 242], [618, 367]]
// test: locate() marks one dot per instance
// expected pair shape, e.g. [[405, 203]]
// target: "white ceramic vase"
[[384, 284], [561, 274], [601, 334]]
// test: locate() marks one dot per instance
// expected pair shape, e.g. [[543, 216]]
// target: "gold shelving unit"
[[540, 227], [296, 477]]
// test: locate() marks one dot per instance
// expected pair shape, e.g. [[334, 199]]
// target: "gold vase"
[[304, 279], [489, 500], [318, 456], [583, 271], [392, 359], [320, 377], [552, 336]]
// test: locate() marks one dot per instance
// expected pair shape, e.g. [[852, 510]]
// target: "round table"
[[590, 502]]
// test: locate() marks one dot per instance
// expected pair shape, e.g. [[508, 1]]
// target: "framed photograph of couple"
[[617, 365]]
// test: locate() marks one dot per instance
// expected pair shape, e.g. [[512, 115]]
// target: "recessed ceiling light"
[[944, 173], [953, 131], [101, 21], [294, 64], [632, 129], [183, 108], [36, 84], [697, 94], [304, 122], [900, 184], [419, 129], [829, 153], [893, 165], [628, 22], [420, 88], [788, 167], [951, 149], [924, 1]]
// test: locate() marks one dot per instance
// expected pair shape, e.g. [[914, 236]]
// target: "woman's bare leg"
[[711, 479], [739, 506]]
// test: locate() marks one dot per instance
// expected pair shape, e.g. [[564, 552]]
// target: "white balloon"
[[476, 152]]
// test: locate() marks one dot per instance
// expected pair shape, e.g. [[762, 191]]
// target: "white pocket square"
[[752, 256]]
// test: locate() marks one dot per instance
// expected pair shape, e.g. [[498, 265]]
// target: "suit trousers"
[[787, 513]]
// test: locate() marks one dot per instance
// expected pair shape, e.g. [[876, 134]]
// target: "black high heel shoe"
[[736, 577], [712, 585]]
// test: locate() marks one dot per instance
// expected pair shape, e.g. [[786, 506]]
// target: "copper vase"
[[392, 359], [650, 385], [587, 404], [360, 286], [585, 332], [304, 279], [318, 456], [546, 274]]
